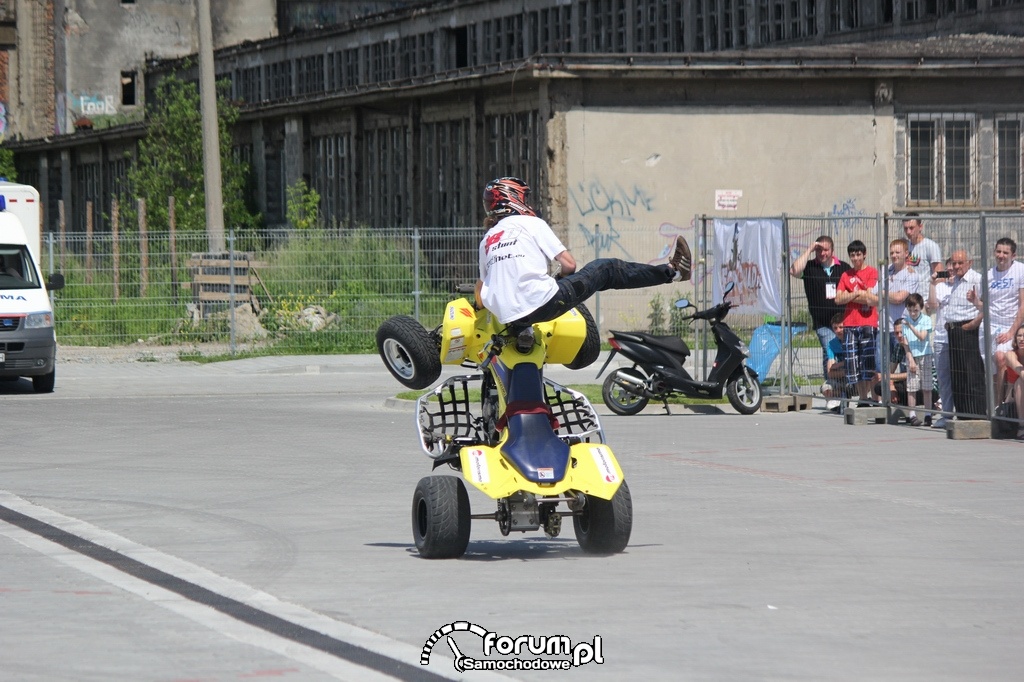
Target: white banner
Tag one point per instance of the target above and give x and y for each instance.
(749, 254)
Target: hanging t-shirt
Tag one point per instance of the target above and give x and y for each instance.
(515, 256)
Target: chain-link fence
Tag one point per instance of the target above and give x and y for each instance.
(329, 290)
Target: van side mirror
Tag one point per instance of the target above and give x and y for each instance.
(55, 282)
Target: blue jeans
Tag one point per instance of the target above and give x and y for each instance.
(825, 336)
(597, 275)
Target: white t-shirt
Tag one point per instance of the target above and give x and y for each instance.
(922, 255)
(942, 294)
(908, 280)
(1004, 292)
(515, 256)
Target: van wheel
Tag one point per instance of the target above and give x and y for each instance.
(44, 382)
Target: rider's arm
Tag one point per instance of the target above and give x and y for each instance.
(476, 294)
(567, 262)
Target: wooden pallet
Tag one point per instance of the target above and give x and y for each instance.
(212, 276)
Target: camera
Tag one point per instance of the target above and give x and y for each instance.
(942, 274)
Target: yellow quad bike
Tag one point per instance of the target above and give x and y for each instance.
(534, 446)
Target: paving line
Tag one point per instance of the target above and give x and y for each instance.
(227, 606)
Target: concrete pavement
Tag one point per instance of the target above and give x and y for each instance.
(251, 518)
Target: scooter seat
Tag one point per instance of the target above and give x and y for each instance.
(673, 344)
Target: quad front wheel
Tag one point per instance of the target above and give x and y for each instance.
(409, 352)
(441, 517)
(619, 398)
(603, 526)
(744, 392)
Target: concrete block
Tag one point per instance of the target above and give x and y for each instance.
(1003, 428)
(777, 403)
(802, 402)
(969, 429)
(857, 416)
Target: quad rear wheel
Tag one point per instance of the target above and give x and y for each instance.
(440, 517)
(409, 351)
(591, 348)
(604, 526)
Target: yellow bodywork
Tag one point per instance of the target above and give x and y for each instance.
(592, 469)
(465, 333)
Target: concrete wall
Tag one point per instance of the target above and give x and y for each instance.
(636, 179)
(107, 38)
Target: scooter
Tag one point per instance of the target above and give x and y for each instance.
(531, 444)
(658, 371)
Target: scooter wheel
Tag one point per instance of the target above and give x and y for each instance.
(744, 392)
(604, 526)
(620, 399)
(441, 517)
(409, 352)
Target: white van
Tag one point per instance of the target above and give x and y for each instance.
(28, 345)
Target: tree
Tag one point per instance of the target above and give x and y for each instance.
(7, 169)
(170, 162)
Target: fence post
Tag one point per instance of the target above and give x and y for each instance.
(143, 248)
(597, 254)
(986, 325)
(171, 218)
(88, 242)
(416, 272)
(62, 226)
(115, 246)
(49, 250)
(788, 381)
(231, 288)
(883, 343)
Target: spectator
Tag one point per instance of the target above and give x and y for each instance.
(917, 330)
(835, 369)
(939, 292)
(967, 373)
(903, 280)
(858, 291)
(1015, 376)
(821, 277)
(925, 255)
(1006, 306)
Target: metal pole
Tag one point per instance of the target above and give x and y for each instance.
(231, 289)
(416, 271)
(787, 321)
(211, 132)
(986, 325)
(49, 250)
(882, 231)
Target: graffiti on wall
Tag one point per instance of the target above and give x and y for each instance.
(847, 222)
(96, 105)
(602, 208)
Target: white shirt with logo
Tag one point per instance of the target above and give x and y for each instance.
(1004, 293)
(908, 280)
(515, 256)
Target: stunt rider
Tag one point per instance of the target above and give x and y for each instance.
(516, 251)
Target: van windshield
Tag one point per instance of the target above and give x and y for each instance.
(16, 271)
